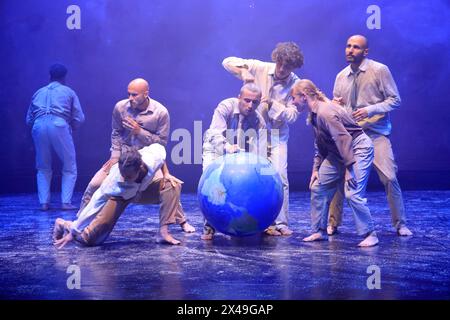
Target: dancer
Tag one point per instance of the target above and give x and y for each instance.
(343, 151)
(236, 126)
(275, 80)
(368, 91)
(137, 122)
(54, 112)
(131, 180)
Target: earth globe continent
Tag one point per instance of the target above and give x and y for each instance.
(240, 194)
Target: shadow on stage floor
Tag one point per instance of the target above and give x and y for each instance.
(131, 265)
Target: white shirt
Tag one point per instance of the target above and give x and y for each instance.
(282, 112)
(220, 131)
(114, 186)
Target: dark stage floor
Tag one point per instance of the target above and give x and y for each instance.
(130, 265)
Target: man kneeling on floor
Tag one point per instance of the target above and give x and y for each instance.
(136, 178)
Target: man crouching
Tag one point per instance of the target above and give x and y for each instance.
(136, 178)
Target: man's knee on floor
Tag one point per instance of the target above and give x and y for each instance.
(92, 239)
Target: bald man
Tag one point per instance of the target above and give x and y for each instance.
(368, 91)
(138, 122)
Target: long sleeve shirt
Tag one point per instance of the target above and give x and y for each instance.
(282, 112)
(226, 120)
(334, 130)
(56, 99)
(154, 122)
(375, 90)
(114, 185)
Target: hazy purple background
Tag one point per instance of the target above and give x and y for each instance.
(178, 46)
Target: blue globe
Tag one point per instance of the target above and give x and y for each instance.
(240, 194)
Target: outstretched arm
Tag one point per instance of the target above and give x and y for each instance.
(243, 69)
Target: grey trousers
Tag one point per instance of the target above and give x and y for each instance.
(52, 132)
(331, 173)
(384, 163)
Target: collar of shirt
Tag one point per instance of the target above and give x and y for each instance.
(251, 119)
(150, 107)
(362, 67)
(54, 84)
(236, 107)
(271, 73)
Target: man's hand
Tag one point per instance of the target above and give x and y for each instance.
(360, 114)
(246, 76)
(338, 100)
(314, 177)
(108, 164)
(132, 125)
(232, 148)
(63, 241)
(173, 180)
(350, 177)
(268, 101)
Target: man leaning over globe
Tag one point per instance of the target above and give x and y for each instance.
(236, 126)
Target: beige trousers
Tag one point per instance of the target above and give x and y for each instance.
(157, 193)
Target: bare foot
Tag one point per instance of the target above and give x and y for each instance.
(207, 236)
(166, 236)
(318, 236)
(272, 232)
(285, 231)
(187, 227)
(404, 231)
(332, 230)
(370, 241)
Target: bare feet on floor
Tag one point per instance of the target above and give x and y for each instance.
(332, 230)
(207, 236)
(166, 236)
(186, 227)
(285, 231)
(404, 231)
(318, 236)
(370, 241)
(271, 231)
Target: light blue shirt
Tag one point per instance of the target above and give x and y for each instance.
(56, 99)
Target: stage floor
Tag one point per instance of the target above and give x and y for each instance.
(131, 265)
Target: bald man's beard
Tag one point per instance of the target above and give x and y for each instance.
(141, 105)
